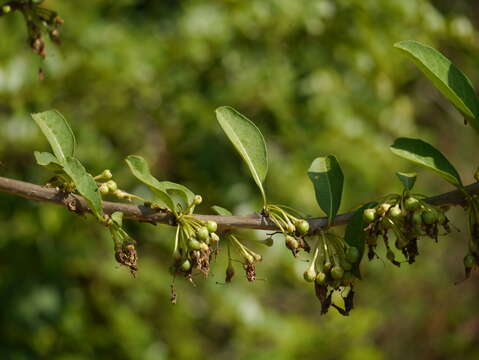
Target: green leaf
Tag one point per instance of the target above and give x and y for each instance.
(407, 179)
(354, 234)
(448, 79)
(48, 160)
(421, 153)
(85, 185)
(221, 211)
(248, 141)
(327, 178)
(140, 169)
(182, 191)
(58, 133)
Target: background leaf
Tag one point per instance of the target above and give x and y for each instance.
(58, 133)
(407, 179)
(354, 235)
(424, 154)
(221, 211)
(448, 79)
(248, 141)
(327, 178)
(85, 185)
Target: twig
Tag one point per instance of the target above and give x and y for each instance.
(145, 214)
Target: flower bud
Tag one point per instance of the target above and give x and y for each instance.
(291, 242)
(369, 215)
(395, 212)
(310, 274)
(186, 265)
(214, 238)
(212, 226)
(302, 226)
(429, 217)
(104, 190)
(197, 200)
(194, 244)
(320, 278)
(411, 204)
(337, 272)
(202, 233)
(383, 208)
(112, 185)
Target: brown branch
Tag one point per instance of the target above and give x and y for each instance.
(145, 214)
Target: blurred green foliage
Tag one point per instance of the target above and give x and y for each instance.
(144, 77)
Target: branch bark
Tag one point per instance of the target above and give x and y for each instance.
(142, 213)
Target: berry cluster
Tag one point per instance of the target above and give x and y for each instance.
(331, 270)
(408, 218)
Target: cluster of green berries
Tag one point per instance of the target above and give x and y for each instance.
(110, 187)
(408, 218)
(331, 269)
(39, 21)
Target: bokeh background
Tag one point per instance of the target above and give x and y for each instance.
(144, 77)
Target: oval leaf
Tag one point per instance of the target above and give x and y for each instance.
(407, 179)
(354, 235)
(248, 141)
(327, 178)
(85, 185)
(58, 133)
(448, 79)
(221, 211)
(140, 169)
(421, 153)
(48, 160)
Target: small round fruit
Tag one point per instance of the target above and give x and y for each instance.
(310, 274)
(429, 217)
(194, 244)
(202, 233)
(352, 254)
(417, 217)
(369, 215)
(212, 226)
(411, 204)
(395, 212)
(197, 200)
(104, 190)
(320, 278)
(337, 272)
(302, 226)
(186, 265)
(383, 208)
(469, 261)
(291, 242)
(112, 185)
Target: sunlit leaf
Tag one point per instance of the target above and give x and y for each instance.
(448, 79)
(421, 153)
(248, 141)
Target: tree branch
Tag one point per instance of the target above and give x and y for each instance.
(143, 213)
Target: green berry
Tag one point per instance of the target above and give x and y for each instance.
(186, 265)
(429, 217)
(104, 190)
(469, 261)
(337, 272)
(411, 204)
(395, 212)
(417, 217)
(212, 226)
(194, 244)
(302, 226)
(383, 208)
(197, 200)
(352, 254)
(369, 215)
(291, 242)
(320, 278)
(310, 274)
(112, 185)
(202, 233)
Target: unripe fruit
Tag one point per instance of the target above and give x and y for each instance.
(320, 278)
(429, 217)
(383, 208)
(411, 204)
(417, 217)
(337, 272)
(469, 261)
(186, 265)
(395, 212)
(212, 226)
(104, 190)
(352, 254)
(369, 215)
(291, 242)
(202, 233)
(197, 200)
(302, 226)
(310, 274)
(112, 185)
(214, 238)
(194, 244)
